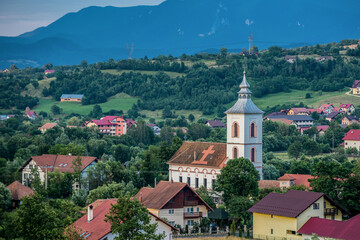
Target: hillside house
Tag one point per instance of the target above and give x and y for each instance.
(321, 129)
(94, 227)
(356, 87)
(290, 59)
(347, 108)
(49, 163)
(215, 124)
(280, 216)
(298, 111)
(5, 70)
(47, 126)
(32, 115)
(46, 72)
(352, 139)
(331, 229)
(347, 120)
(18, 192)
(327, 108)
(71, 97)
(155, 128)
(323, 58)
(332, 116)
(300, 121)
(111, 125)
(289, 180)
(319, 111)
(129, 123)
(177, 202)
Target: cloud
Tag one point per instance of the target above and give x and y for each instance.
(248, 22)
(201, 35)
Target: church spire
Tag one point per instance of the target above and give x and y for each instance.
(244, 88)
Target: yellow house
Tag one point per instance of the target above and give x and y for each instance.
(356, 87)
(280, 216)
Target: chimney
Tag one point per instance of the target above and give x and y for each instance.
(90, 213)
(195, 156)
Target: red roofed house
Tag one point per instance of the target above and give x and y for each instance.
(177, 202)
(31, 115)
(327, 108)
(356, 87)
(49, 71)
(281, 215)
(111, 125)
(347, 108)
(347, 120)
(298, 111)
(49, 163)
(321, 129)
(215, 124)
(352, 139)
(326, 229)
(289, 180)
(92, 225)
(18, 191)
(47, 126)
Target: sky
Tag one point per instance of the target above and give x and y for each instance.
(20, 16)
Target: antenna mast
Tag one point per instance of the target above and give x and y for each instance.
(250, 43)
(130, 49)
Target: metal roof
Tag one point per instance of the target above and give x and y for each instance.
(72, 96)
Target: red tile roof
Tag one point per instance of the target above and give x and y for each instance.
(61, 162)
(205, 154)
(268, 184)
(311, 110)
(299, 179)
(98, 228)
(290, 204)
(30, 113)
(347, 105)
(283, 120)
(356, 84)
(325, 106)
(299, 110)
(348, 230)
(352, 134)
(164, 191)
(18, 191)
(47, 126)
(322, 128)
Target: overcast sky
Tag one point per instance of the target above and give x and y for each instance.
(19, 16)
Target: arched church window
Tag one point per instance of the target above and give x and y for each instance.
(235, 153)
(253, 155)
(253, 130)
(235, 130)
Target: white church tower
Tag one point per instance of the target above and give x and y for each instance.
(244, 128)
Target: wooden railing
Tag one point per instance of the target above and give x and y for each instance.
(192, 214)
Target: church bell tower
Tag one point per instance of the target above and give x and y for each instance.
(244, 128)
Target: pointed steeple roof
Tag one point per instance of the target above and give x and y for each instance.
(244, 103)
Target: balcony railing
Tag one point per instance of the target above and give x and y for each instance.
(191, 203)
(192, 214)
(330, 211)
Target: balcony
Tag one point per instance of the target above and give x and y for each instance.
(330, 211)
(191, 203)
(192, 214)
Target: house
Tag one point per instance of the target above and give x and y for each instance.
(352, 139)
(327, 108)
(319, 111)
(111, 125)
(177, 202)
(288, 180)
(155, 128)
(18, 192)
(199, 163)
(331, 229)
(31, 115)
(5, 70)
(300, 121)
(48, 71)
(71, 97)
(47, 126)
(321, 129)
(356, 87)
(129, 123)
(347, 108)
(215, 124)
(93, 226)
(298, 111)
(49, 163)
(281, 215)
(290, 59)
(332, 116)
(323, 58)
(268, 184)
(347, 120)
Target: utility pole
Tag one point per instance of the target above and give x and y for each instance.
(46, 175)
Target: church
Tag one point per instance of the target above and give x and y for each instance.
(199, 163)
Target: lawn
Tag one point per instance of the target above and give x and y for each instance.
(116, 72)
(118, 102)
(37, 92)
(283, 156)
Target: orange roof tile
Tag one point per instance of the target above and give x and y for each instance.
(268, 184)
(18, 191)
(299, 179)
(47, 126)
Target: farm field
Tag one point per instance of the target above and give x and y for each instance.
(118, 102)
(116, 72)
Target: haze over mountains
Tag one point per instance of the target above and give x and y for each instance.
(182, 26)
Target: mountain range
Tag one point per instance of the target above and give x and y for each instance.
(182, 26)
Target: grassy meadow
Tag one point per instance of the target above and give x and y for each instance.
(37, 92)
(119, 72)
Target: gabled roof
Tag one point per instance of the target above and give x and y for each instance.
(110, 118)
(31, 113)
(299, 110)
(216, 123)
(352, 134)
(100, 122)
(322, 128)
(72, 96)
(61, 162)
(350, 118)
(311, 110)
(18, 191)
(290, 204)
(205, 154)
(356, 84)
(268, 184)
(299, 179)
(47, 126)
(347, 105)
(98, 228)
(164, 191)
(325, 106)
(333, 115)
(348, 230)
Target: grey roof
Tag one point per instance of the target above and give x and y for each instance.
(244, 103)
(72, 96)
(292, 117)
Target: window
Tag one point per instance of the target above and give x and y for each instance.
(171, 211)
(316, 205)
(180, 179)
(253, 155)
(26, 175)
(196, 182)
(235, 153)
(272, 231)
(235, 130)
(205, 182)
(190, 222)
(213, 183)
(253, 130)
(324, 204)
(172, 223)
(190, 210)
(272, 216)
(197, 209)
(290, 232)
(188, 181)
